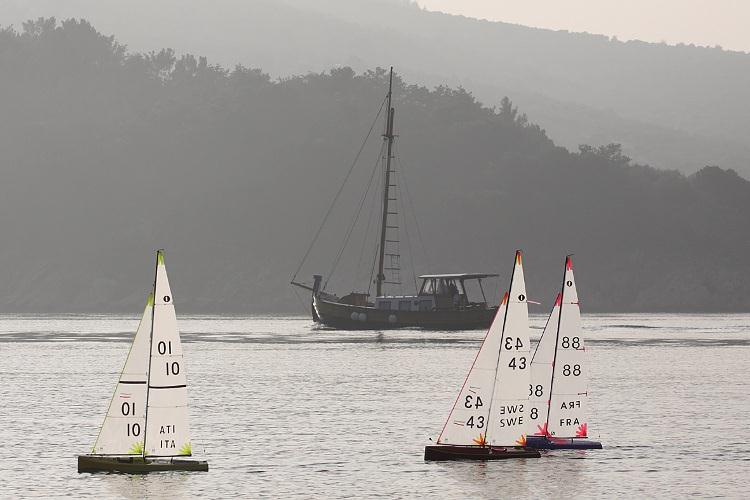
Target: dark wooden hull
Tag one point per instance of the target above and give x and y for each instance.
(449, 452)
(137, 465)
(349, 317)
(553, 443)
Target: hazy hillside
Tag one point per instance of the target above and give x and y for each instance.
(677, 107)
(107, 156)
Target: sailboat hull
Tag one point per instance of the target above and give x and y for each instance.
(553, 443)
(349, 317)
(137, 465)
(449, 452)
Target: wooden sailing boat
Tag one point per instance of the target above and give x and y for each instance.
(146, 426)
(442, 301)
(558, 393)
(488, 419)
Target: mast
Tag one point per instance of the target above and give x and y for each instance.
(387, 136)
(150, 347)
(502, 335)
(557, 339)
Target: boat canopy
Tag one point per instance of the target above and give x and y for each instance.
(459, 276)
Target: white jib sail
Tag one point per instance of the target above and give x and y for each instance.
(509, 409)
(469, 420)
(568, 404)
(123, 429)
(541, 374)
(167, 432)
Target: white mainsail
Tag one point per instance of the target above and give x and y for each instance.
(124, 425)
(167, 432)
(569, 380)
(541, 373)
(567, 413)
(490, 407)
(511, 398)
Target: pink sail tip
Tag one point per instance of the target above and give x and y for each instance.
(568, 263)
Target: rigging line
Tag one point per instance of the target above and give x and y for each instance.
(408, 241)
(301, 301)
(353, 224)
(338, 193)
(364, 239)
(411, 204)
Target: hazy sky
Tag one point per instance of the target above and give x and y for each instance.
(703, 22)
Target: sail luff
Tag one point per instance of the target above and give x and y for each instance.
(557, 339)
(506, 300)
(150, 347)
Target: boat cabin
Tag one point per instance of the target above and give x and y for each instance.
(437, 292)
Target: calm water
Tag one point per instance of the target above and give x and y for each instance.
(281, 409)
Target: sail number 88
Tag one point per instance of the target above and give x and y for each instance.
(567, 342)
(575, 370)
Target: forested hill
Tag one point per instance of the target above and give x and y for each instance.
(674, 107)
(106, 156)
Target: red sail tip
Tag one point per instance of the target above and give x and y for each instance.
(505, 299)
(558, 300)
(568, 263)
(518, 257)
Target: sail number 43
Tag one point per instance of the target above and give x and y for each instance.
(519, 363)
(470, 402)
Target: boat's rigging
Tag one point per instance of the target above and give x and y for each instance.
(150, 347)
(410, 199)
(352, 225)
(388, 139)
(364, 243)
(387, 266)
(338, 193)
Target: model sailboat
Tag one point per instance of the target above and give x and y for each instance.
(558, 394)
(488, 420)
(146, 426)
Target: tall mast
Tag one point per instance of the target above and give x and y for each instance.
(502, 338)
(557, 339)
(387, 136)
(150, 347)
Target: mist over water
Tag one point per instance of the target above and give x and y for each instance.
(281, 408)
